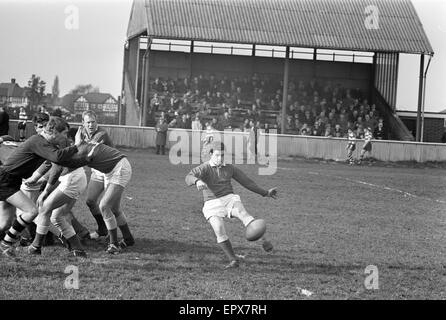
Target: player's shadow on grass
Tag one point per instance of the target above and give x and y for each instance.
(165, 246)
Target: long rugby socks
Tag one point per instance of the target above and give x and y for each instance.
(228, 250)
(113, 236)
(13, 234)
(75, 243)
(102, 228)
(125, 230)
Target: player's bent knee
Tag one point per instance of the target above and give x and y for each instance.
(6, 223)
(239, 211)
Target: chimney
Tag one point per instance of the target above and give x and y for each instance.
(12, 80)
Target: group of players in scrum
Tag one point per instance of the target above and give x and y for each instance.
(57, 154)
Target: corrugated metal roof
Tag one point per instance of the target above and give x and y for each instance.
(330, 24)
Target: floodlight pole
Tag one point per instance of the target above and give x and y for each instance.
(285, 88)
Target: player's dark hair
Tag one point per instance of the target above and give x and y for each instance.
(217, 145)
(72, 133)
(56, 124)
(40, 117)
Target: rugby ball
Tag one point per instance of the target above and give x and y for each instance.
(255, 229)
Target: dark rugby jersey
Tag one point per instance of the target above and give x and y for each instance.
(218, 180)
(104, 158)
(32, 153)
(100, 136)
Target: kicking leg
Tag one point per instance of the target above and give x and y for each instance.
(239, 211)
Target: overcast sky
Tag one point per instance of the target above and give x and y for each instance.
(35, 40)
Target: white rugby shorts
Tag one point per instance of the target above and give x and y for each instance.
(224, 207)
(73, 184)
(97, 176)
(120, 175)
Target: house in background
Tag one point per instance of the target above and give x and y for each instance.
(103, 104)
(12, 95)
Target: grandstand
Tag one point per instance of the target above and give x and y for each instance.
(180, 49)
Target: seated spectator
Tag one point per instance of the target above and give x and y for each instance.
(245, 125)
(155, 103)
(308, 118)
(338, 132)
(226, 121)
(290, 125)
(216, 125)
(380, 132)
(328, 132)
(318, 129)
(196, 123)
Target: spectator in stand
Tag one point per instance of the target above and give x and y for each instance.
(318, 129)
(161, 135)
(290, 125)
(23, 118)
(245, 125)
(182, 122)
(196, 123)
(380, 132)
(358, 122)
(216, 125)
(328, 132)
(226, 121)
(338, 132)
(308, 118)
(369, 123)
(155, 103)
(4, 122)
(157, 86)
(304, 129)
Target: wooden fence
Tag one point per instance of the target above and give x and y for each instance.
(287, 145)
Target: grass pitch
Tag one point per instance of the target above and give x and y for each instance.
(330, 222)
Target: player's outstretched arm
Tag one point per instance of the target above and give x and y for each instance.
(239, 176)
(272, 193)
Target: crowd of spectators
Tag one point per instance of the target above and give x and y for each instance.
(247, 103)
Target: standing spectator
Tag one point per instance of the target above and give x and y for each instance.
(23, 117)
(4, 122)
(161, 135)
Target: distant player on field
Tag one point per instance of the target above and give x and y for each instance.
(214, 178)
(367, 147)
(351, 146)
